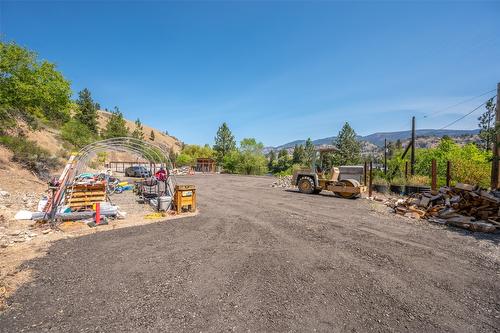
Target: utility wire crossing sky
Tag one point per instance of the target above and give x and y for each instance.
(276, 71)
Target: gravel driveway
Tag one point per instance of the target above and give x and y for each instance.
(258, 258)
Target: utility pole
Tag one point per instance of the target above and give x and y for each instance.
(412, 156)
(495, 172)
(385, 156)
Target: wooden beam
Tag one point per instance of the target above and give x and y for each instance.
(412, 156)
(434, 175)
(448, 173)
(371, 178)
(495, 172)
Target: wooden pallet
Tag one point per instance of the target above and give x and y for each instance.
(85, 195)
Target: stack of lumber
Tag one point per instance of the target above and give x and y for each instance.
(464, 206)
(80, 196)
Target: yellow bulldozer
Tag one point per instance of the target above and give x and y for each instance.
(315, 179)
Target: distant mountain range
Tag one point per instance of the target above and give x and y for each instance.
(378, 138)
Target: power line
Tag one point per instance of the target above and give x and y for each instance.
(457, 104)
(468, 113)
(451, 106)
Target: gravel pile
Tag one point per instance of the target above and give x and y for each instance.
(283, 181)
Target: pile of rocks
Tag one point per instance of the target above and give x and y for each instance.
(16, 201)
(12, 231)
(282, 181)
(10, 237)
(464, 206)
(182, 171)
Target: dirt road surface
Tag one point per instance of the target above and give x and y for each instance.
(258, 259)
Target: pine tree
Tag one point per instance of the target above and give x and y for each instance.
(224, 143)
(116, 125)
(349, 149)
(487, 125)
(298, 154)
(272, 159)
(86, 110)
(152, 136)
(138, 132)
(309, 151)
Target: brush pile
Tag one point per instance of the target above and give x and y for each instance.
(464, 206)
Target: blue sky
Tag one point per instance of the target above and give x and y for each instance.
(277, 71)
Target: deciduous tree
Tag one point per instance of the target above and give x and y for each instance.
(30, 88)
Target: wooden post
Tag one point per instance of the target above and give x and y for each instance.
(495, 172)
(385, 156)
(371, 177)
(448, 173)
(406, 169)
(365, 173)
(412, 155)
(434, 175)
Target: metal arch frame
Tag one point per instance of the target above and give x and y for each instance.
(153, 152)
(126, 144)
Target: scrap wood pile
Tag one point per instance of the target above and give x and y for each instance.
(464, 206)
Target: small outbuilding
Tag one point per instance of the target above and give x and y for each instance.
(205, 165)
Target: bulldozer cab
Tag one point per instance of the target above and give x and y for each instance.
(317, 164)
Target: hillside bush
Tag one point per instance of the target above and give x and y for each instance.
(78, 134)
(29, 154)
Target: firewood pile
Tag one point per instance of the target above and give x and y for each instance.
(464, 206)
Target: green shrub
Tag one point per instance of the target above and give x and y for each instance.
(185, 160)
(469, 163)
(77, 134)
(29, 154)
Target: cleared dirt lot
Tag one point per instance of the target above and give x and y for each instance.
(264, 259)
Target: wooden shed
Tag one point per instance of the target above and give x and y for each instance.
(205, 165)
